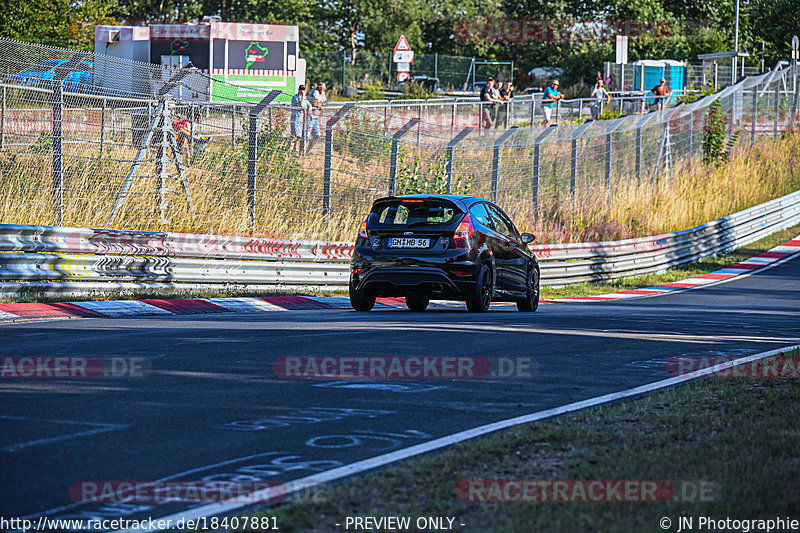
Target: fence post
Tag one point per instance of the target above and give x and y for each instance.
(639, 126)
(3, 121)
(58, 155)
(754, 119)
(252, 155)
(344, 71)
(395, 148)
(777, 108)
(691, 134)
(716, 74)
(533, 110)
(558, 110)
(573, 174)
(103, 128)
(419, 125)
(453, 118)
(537, 168)
(448, 166)
(609, 145)
(496, 159)
(328, 170)
(233, 125)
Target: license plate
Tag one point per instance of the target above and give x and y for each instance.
(408, 243)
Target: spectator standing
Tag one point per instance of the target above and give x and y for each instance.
(600, 95)
(486, 108)
(317, 100)
(662, 93)
(551, 95)
(300, 107)
(506, 95)
(364, 81)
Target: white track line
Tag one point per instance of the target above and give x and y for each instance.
(358, 467)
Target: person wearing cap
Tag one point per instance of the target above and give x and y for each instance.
(662, 92)
(551, 94)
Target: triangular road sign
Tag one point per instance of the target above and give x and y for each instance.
(402, 45)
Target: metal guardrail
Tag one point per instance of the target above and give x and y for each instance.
(88, 257)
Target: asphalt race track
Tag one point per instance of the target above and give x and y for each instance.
(212, 407)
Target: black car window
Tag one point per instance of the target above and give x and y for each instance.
(501, 223)
(478, 212)
(413, 213)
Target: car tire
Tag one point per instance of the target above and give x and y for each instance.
(417, 303)
(361, 300)
(480, 298)
(531, 301)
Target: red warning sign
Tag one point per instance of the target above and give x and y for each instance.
(402, 45)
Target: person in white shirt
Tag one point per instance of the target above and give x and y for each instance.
(600, 94)
(317, 100)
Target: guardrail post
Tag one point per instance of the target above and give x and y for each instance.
(609, 146)
(252, 155)
(3, 121)
(496, 159)
(395, 148)
(328, 170)
(537, 168)
(777, 108)
(448, 166)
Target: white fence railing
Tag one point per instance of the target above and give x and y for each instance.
(61, 260)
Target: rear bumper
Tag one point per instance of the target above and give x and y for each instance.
(406, 281)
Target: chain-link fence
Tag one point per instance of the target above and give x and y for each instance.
(71, 155)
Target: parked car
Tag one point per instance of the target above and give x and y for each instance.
(445, 247)
(45, 72)
(428, 83)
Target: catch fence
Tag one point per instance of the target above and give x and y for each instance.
(79, 156)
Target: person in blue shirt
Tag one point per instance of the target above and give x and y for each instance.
(551, 94)
(300, 107)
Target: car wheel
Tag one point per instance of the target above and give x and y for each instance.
(417, 303)
(361, 300)
(480, 297)
(531, 301)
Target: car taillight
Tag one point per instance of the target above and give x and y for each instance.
(362, 230)
(464, 231)
(358, 270)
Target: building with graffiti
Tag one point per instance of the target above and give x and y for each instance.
(249, 59)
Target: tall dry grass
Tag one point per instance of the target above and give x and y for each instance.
(289, 204)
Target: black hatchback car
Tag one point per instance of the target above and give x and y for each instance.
(425, 247)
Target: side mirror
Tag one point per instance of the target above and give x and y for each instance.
(528, 238)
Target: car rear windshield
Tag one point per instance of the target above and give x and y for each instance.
(413, 213)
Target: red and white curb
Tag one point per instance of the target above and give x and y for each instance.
(187, 306)
(768, 258)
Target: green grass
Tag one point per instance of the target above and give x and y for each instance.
(737, 437)
(704, 266)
